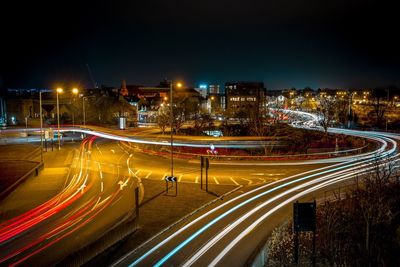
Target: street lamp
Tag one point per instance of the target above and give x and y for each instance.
(75, 91)
(179, 85)
(41, 126)
(83, 110)
(59, 90)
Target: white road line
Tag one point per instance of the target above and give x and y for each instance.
(148, 175)
(180, 177)
(233, 180)
(250, 181)
(136, 173)
(216, 181)
(102, 186)
(196, 180)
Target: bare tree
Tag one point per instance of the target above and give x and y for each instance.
(163, 118)
(326, 112)
(259, 126)
(378, 97)
(202, 119)
(179, 118)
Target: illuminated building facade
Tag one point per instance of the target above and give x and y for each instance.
(248, 97)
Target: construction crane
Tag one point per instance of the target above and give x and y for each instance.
(91, 77)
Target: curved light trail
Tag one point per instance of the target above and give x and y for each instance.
(88, 194)
(305, 182)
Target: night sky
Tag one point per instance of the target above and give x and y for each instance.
(284, 43)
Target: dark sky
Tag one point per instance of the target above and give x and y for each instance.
(285, 43)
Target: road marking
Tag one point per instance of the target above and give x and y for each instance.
(147, 176)
(102, 186)
(123, 184)
(180, 178)
(250, 181)
(233, 180)
(261, 179)
(136, 173)
(98, 149)
(216, 181)
(163, 178)
(197, 179)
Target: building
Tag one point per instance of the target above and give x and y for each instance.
(203, 90)
(247, 97)
(213, 89)
(148, 100)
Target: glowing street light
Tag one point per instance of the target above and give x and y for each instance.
(75, 91)
(178, 85)
(59, 91)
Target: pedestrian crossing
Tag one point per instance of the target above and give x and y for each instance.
(191, 177)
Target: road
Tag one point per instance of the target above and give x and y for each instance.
(226, 235)
(98, 194)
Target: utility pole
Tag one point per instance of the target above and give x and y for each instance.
(201, 171)
(171, 127)
(207, 167)
(41, 126)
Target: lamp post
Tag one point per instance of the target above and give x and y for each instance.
(179, 85)
(75, 91)
(349, 109)
(83, 110)
(41, 126)
(59, 90)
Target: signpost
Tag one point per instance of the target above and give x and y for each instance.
(304, 220)
(204, 162)
(201, 171)
(173, 180)
(207, 167)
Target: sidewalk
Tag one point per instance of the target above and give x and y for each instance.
(38, 189)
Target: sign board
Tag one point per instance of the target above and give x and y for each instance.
(304, 216)
(170, 178)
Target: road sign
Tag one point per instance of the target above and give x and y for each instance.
(304, 216)
(170, 178)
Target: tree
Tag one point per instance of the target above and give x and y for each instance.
(259, 126)
(179, 118)
(202, 119)
(163, 118)
(379, 95)
(326, 112)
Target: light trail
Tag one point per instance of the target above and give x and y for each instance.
(14, 252)
(327, 169)
(354, 165)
